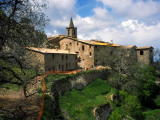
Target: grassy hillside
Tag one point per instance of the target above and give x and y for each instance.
(78, 105)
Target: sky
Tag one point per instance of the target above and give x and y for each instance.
(125, 22)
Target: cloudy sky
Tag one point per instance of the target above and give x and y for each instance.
(126, 22)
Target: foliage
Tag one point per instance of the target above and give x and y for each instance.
(157, 101)
(131, 105)
(50, 79)
(47, 115)
(15, 74)
(21, 25)
(152, 114)
(117, 114)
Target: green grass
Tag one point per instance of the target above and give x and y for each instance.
(79, 104)
(152, 114)
(12, 87)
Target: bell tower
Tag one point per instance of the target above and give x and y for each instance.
(71, 30)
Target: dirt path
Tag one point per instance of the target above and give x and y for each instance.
(44, 88)
(13, 103)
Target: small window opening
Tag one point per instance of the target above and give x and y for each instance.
(141, 52)
(83, 47)
(111, 52)
(66, 57)
(62, 67)
(73, 32)
(90, 54)
(66, 66)
(62, 57)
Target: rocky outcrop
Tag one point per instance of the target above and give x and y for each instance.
(102, 112)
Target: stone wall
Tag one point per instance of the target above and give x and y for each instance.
(35, 60)
(145, 56)
(60, 62)
(106, 55)
(84, 51)
(78, 81)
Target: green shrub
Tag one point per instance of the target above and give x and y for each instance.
(152, 114)
(157, 101)
(117, 114)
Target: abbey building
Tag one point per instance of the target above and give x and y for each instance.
(67, 52)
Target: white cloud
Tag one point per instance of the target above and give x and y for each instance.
(132, 8)
(99, 20)
(103, 25)
(130, 32)
(59, 12)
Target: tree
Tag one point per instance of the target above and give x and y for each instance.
(21, 25)
(120, 60)
(157, 58)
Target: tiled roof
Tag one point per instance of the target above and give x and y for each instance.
(91, 42)
(46, 50)
(128, 46)
(145, 47)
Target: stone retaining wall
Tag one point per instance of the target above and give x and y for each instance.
(77, 81)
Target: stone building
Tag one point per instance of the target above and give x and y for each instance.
(88, 51)
(86, 54)
(52, 59)
(145, 55)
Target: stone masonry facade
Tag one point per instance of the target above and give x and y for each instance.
(84, 54)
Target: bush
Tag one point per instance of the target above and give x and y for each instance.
(157, 101)
(152, 114)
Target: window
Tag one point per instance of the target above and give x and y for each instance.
(52, 56)
(66, 66)
(73, 32)
(90, 54)
(83, 47)
(141, 52)
(77, 43)
(70, 44)
(66, 57)
(90, 46)
(62, 57)
(62, 67)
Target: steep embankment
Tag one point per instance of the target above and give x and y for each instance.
(59, 84)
